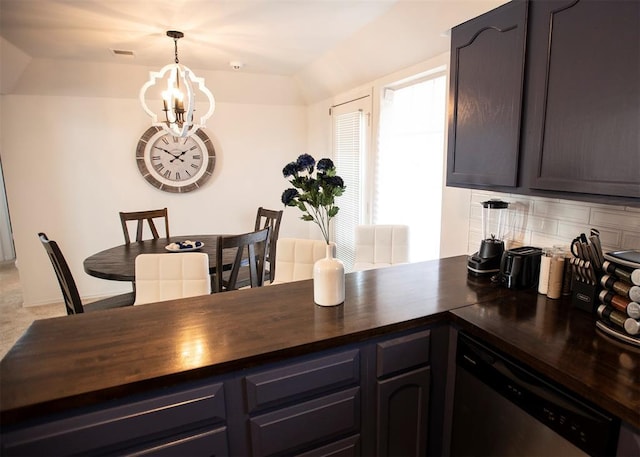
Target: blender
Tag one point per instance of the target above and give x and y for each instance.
(494, 222)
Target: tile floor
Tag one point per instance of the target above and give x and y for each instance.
(14, 318)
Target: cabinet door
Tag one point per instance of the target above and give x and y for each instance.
(485, 97)
(403, 405)
(584, 96)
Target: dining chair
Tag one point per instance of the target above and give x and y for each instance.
(70, 294)
(296, 257)
(140, 217)
(251, 246)
(380, 246)
(161, 277)
(269, 218)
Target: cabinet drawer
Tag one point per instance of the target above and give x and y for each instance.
(347, 447)
(140, 420)
(305, 423)
(302, 379)
(402, 353)
(205, 444)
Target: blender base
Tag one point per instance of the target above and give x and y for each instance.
(479, 266)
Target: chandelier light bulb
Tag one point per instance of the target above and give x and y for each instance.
(178, 99)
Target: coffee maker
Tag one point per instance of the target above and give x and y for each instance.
(494, 223)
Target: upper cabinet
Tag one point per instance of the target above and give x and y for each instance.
(485, 90)
(574, 131)
(583, 104)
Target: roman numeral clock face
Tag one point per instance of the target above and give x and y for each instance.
(174, 164)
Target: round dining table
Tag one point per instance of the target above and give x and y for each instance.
(118, 263)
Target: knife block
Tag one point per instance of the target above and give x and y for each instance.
(584, 296)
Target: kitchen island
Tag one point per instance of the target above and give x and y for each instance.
(64, 368)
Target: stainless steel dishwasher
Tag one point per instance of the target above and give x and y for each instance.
(502, 408)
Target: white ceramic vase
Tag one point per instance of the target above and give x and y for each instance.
(328, 279)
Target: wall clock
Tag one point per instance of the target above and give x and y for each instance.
(175, 164)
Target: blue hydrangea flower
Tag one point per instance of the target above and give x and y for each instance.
(291, 169)
(306, 162)
(288, 197)
(335, 181)
(325, 164)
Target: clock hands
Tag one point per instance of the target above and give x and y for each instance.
(179, 156)
(172, 154)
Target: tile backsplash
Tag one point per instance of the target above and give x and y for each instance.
(547, 222)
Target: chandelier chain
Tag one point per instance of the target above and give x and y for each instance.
(175, 43)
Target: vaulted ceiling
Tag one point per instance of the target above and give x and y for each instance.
(280, 37)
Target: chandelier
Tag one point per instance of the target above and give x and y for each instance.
(178, 96)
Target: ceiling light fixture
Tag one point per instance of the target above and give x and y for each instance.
(178, 100)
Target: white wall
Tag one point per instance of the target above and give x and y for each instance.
(69, 165)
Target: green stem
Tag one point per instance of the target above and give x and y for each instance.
(319, 217)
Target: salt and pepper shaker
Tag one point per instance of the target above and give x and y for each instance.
(543, 279)
(556, 274)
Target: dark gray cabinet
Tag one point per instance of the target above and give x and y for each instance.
(573, 132)
(367, 398)
(185, 421)
(305, 406)
(485, 93)
(402, 395)
(583, 105)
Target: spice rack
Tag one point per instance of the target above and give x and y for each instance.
(619, 300)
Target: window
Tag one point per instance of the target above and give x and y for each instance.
(409, 162)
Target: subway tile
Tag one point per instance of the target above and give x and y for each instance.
(616, 219)
(544, 222)
(609, 237)
(630, 240)
(545, 241)
(543, 225)
(564, 211)
(571, 230)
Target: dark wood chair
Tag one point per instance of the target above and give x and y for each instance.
(140, 217)
(250, 249)
(72, 300)
(269, 218)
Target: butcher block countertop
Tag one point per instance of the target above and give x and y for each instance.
(81, 360)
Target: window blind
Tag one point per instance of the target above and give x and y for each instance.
(348, 149)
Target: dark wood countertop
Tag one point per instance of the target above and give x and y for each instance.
(562, 343)
(87, 358)
(80, 360)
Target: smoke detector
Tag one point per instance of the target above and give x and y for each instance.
(236, 65)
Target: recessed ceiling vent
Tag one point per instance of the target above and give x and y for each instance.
(122, 52)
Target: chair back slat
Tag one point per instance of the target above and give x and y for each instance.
(72, 301)
(140, 217)
(269, 218)
(254, 246)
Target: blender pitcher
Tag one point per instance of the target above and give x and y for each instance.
(494, 225)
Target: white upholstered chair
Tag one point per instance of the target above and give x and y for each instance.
(381, 246)
(295, 258)
(168, 276)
